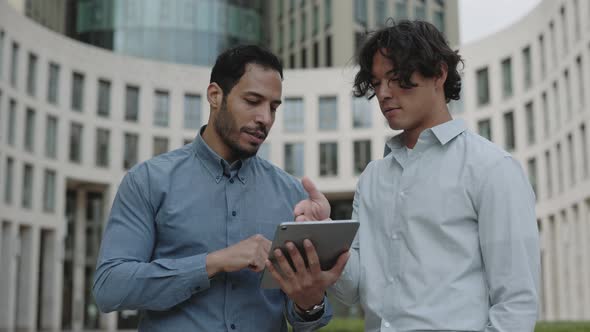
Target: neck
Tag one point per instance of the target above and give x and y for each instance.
(439, 116)
(214, 141)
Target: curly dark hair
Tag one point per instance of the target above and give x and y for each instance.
(231, 65)
(411, 46)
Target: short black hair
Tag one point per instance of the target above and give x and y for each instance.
(412, 46)
(231, 65)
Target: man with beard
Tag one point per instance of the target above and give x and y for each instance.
(188, 231)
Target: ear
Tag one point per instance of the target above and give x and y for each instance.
(439, 81)
(214, 95)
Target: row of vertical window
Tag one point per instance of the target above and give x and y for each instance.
(482, 74)
(401, 10)
(26, 199)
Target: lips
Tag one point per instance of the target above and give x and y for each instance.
(391, 110)
(258, 136)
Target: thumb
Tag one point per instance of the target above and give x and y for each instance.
(337, 269)
(311, 189)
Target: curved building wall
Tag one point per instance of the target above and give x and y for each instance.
(74, 117)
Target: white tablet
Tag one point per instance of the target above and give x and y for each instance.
(330, 239)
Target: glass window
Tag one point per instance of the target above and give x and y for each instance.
(77, 92)
(362, 155)
(131, 103)
(161, 108)
(401, 9)
(380, 12)
(304, 58)
(568, 93)
(585, 151)
(572, 159)
(360, 12)
(32, 75)
(483, 88)
(316, 20)
(361, 113)
(328, 51)
(542, 55)
(532, 171)
(192, 111)
(559, 167)
(51, 137)
(1, 53)
(507, 78)
(160, 145)
(527, 67)
(27, 194)
(581, 82)
(281, 37)
(549, 175)
(104, 98)
(328, 113)
(530, 123)
(303, 25)
(294, 159)
(316, 55)
(420, 10)
(53, 84)
(291, 32)
(14, 65)
(509, 138)
(557, 106)
(328, 12)
(11, 137)
(75, 142)
(439, 20)
(484, 128)
(546, 119)
(329, 159)
(293, 115)
(49, 191)
(30, 130)
(130, 150)
(8, 177)
(102, 147)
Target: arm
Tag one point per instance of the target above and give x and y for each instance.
(346, 289)
(300, 324)
(125, 277)
(509, 243)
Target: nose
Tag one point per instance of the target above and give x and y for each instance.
(383, 92)
(265, 116)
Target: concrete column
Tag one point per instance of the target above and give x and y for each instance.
(546, 289)
(26, 298)
(48, 293)
(585, 218)
(562, 305)
(573, 268)
(8, 276)
(79, 261)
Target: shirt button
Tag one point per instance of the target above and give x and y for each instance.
(233, 326)
(402, 194)
(231, 181)
(234, 213)
(390, 278)
(394, 236)
(386, 324)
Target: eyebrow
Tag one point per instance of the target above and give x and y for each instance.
(258, 95)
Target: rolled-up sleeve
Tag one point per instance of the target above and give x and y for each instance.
(125, 277)
(509, 240)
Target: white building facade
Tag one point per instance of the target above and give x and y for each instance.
(74, 118)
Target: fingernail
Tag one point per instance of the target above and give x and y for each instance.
(278, 253)
(307, 243)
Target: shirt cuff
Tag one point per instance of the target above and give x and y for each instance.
(296, 320)
(194, 277)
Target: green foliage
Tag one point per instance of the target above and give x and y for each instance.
(356, 325)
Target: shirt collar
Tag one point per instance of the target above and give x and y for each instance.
(217, 166)
(443, 132)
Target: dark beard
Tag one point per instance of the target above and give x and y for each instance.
(224, 126)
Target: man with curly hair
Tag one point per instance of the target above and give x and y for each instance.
(448, 238)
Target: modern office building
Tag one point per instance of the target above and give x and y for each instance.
(74, 118)
(326, 33)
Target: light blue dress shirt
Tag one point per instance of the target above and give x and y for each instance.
(168, 214)
(448, 239)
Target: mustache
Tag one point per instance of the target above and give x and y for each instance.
(260, 129)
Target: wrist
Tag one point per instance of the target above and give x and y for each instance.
(214, 263)
(311, 313)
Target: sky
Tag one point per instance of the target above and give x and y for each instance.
(479, 18)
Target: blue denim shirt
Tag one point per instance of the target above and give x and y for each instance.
(173, 210)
